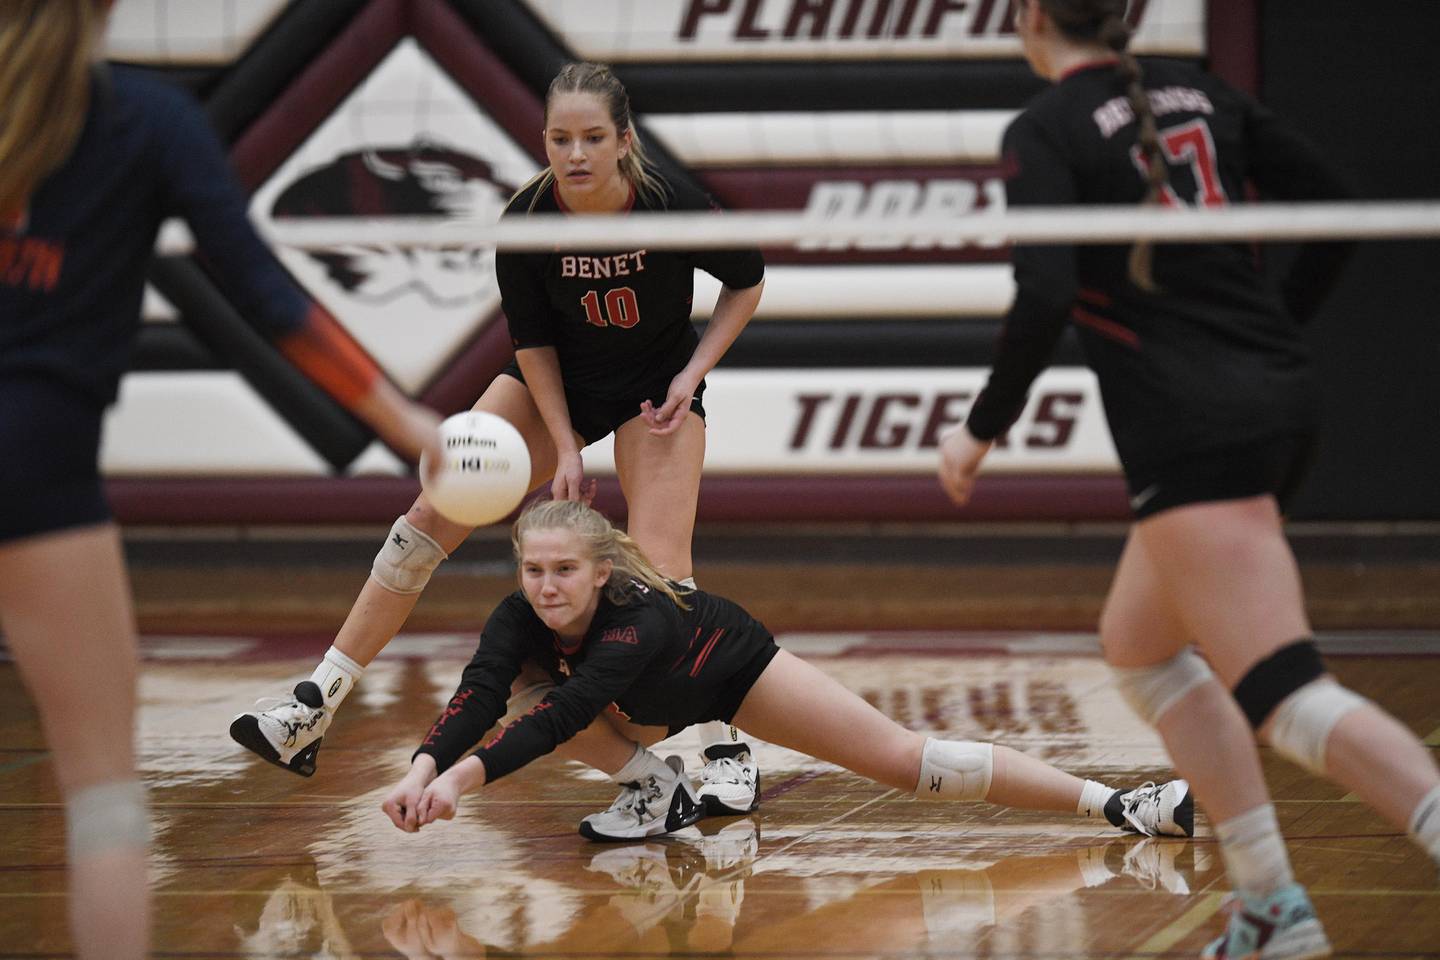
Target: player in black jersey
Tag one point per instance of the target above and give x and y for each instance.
(628, 650)
(603, 345)
(1206, 391)
(91, 162)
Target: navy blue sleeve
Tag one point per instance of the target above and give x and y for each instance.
(200, 186)
(1045, 282)
(610, 668)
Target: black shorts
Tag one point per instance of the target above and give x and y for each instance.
(737, 688)
(1273, 466)
(49, 457)
(596, 416)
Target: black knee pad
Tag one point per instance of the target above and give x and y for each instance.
(1273, 679)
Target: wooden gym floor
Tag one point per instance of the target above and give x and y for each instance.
(986, 636)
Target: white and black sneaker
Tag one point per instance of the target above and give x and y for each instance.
(1166, 810)
(729, 781)
(645, 808)
(1157, 864)
(286, 732)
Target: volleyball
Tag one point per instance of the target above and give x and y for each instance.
(485, 470)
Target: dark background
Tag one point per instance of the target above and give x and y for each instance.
(1361, 80)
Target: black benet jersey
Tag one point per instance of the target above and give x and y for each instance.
(618, 319)
(72, 269)
(658, 664)
(1213, 355)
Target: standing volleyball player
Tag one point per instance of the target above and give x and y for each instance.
(633, 655)
(603, 345)
(1206, 391)
(90, 163)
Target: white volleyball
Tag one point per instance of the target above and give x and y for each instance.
(485, 471)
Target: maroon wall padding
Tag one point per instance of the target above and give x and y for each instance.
(473, 65)
(317, 92)
(728, 499)
(467, 376)
(356, 52)
(1233, 42)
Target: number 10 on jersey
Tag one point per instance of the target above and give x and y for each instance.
(621, 309)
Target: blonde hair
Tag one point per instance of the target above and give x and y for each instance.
(601, 541)
(635, 166)
(1103, 22)
(47, 48)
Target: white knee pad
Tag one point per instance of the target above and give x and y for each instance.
(523, 701)
(1304, 719)
(955, 770)
(1153, 690)
(407, 559)
(110, 816)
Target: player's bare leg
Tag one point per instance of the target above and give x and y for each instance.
(660, 477)
(66, 611)
(1258, 641)
(799, 706)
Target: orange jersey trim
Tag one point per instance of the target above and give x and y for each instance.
(327, 355)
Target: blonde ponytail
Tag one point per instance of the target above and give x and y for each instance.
(601, 541)
(47, 48)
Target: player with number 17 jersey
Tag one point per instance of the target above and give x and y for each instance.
(1211, 355)
(619, 319)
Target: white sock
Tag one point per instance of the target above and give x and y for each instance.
(1425, 823)
(1254, 852)
(641, 764)
(718, 733)
(1093, 797)
(336, 676)
(1094, 871)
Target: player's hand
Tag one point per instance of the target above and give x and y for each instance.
(960, 458)
(439, 800)
(666, 418)
(401, 803)
(569, 482)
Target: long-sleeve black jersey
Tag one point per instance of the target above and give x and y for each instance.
(1213, 355)
(659, 664)
(617, 319)
(72, 271)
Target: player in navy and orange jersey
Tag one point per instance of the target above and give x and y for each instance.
(627, 651)
(91, 162)
(1207, 392)
(603, 345)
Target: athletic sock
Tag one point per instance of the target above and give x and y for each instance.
(336, 676)
(640, 765)
(1093, 798)
(1254, 852)
(719, 739)
(1425, 823)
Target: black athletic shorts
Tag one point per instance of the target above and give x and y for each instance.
(1273, 466)
(737, 688)
(595, 417)
(49, 457)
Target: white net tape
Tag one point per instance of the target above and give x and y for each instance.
(1104, 224)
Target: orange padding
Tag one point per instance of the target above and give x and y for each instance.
(328, 356)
